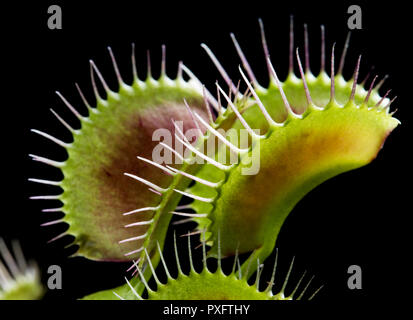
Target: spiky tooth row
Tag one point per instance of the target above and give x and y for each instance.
(306, 73)
(194, 285)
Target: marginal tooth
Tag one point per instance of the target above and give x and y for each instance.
(332, 76)
(163, 261)
(199, 83)
(221, 109)
(133, 252)
(305, 288)
(191, 264)
(155, 164)
(140, 223)
(264, 111)
(191, 114)
(133, 59)
(221, 70)
(102, 80)
(57, 237)
(244, 60)
(69, 106)
(141, 210)
(190, 195)
(220, 136)
(366, 100)
(52, 197)
(207, 107)
(66, 125)
(274, 269)
(355, 77)
(133, 265)
(154, 191)
(200, 154)
(343, 54)
(48, 182)
(382, 99)
(82, 96)
(53, 210)
(298, 284)
(133, 290)
(380, 84)
(200, 180)
(148, 62)
(182, 221)
(120, 298)
(56, 164)
(284, 98)
(134, 238)
(178, 264)
(115, 66)
(163, 62)
(291, 49)
(185, 206)
(306, 50)
(152, 268)
(51, 138)
(142, 277)
(313, 295)
(288, 276)
(323, 50)
(94, 86)
(194, 215)
(50, 223)
(264, 44)
(148, 183)
(307, 91)
(179, 72)
(387, 107)
(239, 116)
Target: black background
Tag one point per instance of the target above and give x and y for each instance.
(356, 218)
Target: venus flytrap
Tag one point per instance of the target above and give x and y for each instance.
(300, 133)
